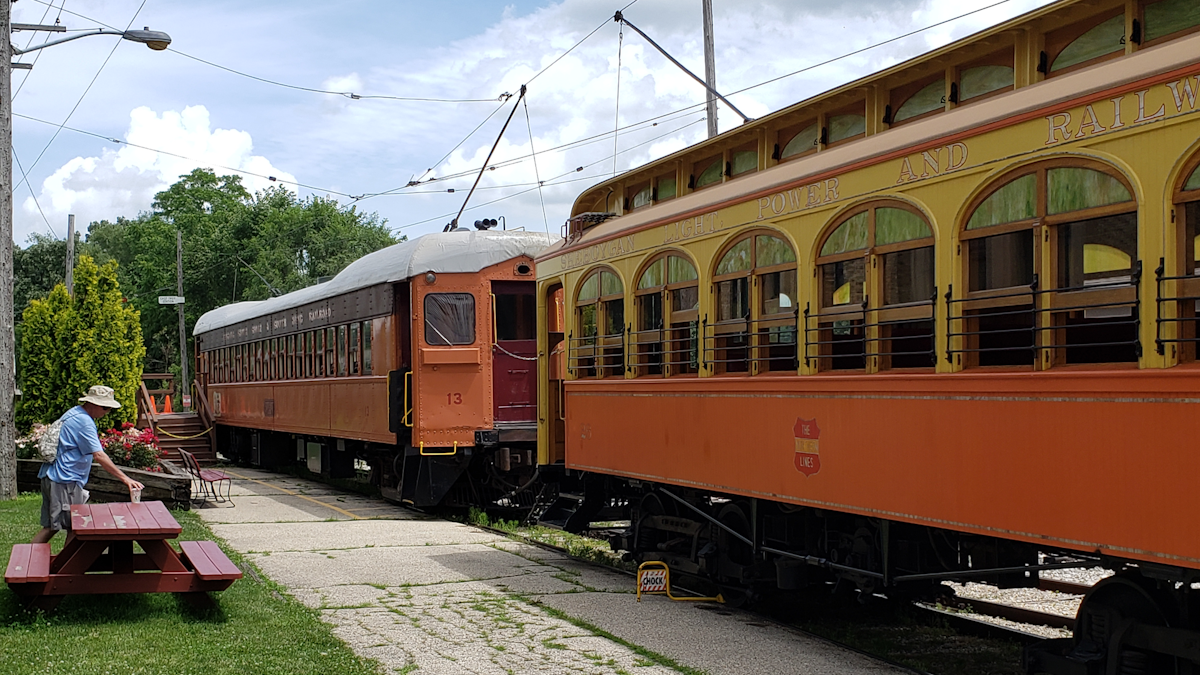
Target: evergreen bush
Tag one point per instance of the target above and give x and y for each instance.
(70, 344)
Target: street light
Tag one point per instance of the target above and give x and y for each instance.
(155, 40)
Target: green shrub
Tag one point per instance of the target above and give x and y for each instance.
(70, 344)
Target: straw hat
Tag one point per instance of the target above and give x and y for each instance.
(101, 396)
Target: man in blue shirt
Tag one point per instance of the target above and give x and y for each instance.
(78, 442)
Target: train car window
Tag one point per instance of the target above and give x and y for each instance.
(516, 316)
(319, 352)
(983, 80)
(887, 245)
(802, 142)
(597, 346)
(331, 359)
(341, 350)
(743, 161)
(1181, 334)
(1086, 43)
(308, 354)
(355, 368)
(1085, 212)
(708, 172)
(929, 98)
(755, 326)
(366, 348)
(845, 127)
(1168, 17)
(665, 188)
(449, 319)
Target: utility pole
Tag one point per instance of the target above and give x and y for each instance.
(70, 278)
(710, 68)
(8, 366)
(185, 387)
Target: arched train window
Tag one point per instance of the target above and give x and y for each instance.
(667, 330)
(754, 326)
(598, 340)
(875, 269)
(1078, 307)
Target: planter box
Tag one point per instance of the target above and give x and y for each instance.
(172, 487)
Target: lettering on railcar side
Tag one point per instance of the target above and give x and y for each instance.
(935, 162)
(1063, 126)
(602, 251)
(692, 227)
(798, 198)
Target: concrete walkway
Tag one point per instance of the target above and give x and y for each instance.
(423, 595)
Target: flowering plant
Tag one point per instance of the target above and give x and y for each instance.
(27, 445)
(132, 447)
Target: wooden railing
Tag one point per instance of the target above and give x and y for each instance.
(205, 411)
(145, 404)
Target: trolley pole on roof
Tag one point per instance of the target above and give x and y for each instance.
(710, 67)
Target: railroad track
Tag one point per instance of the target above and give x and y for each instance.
(963, 615)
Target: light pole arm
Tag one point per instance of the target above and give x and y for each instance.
(18, 50)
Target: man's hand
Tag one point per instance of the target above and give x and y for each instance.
(133, 484)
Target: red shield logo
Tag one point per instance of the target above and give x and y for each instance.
(808, 450)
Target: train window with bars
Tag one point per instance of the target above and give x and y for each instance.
(754, 287)
(1081, 306)
(667, 299)
(875, 271)
(1179, 290)
(598, 341)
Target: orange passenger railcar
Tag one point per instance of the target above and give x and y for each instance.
(936, 324)
(410, 369)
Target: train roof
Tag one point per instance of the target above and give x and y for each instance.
(441, 252)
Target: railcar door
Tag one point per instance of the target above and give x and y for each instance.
(514, 354)
(451, 325)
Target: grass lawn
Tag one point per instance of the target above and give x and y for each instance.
(258, 629)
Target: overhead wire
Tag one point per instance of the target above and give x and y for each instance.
(36, 203)
(536, 174)
(243, 172)
(83, 95)
(315, 90)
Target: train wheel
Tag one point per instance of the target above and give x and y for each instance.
(1106, 615)
(646, 536)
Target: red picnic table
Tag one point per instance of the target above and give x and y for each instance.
(98, 558)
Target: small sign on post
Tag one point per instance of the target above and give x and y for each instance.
(170, 299)
(187, 401)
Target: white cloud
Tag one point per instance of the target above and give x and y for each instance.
(124, 182)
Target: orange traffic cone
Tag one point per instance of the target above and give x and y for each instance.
(153, 407)
(167, 405)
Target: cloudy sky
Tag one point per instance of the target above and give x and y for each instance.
(173, 112)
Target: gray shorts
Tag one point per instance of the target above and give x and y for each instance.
(57, 499)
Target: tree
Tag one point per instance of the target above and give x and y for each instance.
(232, 242)
(70, 344)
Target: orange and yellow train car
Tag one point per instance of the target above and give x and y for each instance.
(938, 323)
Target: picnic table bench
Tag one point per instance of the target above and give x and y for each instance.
(98, 558)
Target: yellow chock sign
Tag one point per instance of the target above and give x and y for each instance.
(654, 578)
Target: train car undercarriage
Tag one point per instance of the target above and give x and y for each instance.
(1143, 620)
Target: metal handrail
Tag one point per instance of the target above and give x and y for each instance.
(755, 347)
(865, 326)
(1162, 299)
(602, 348)
(1037, 314)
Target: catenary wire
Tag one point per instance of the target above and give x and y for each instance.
(347, 94)
(536, 174)
(82, 96)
